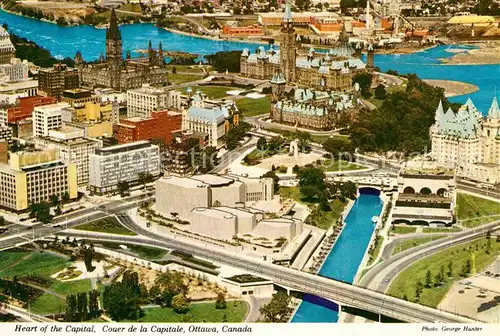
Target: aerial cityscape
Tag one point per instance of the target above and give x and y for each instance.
(240, 162)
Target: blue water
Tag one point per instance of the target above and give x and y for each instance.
(344, 259)
(65, 41)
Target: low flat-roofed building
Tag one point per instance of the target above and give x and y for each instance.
(11, 91)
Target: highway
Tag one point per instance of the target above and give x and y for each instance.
(379, 277)
(328, 288)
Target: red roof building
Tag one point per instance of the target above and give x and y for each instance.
(25, 107)
(159, 126)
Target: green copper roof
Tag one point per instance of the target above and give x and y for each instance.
(288, 12)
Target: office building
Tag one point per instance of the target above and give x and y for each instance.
(122, 163)
(146, 99)
(7, 50)
(48, 117)
(53, 81)
(16, 70)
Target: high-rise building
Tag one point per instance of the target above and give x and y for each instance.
(33, 177)
(48, 117)
(146, 99)
(160, 125)
(16, 70)
(7, 50)
(73, 147)
(53, 81)
(122, 163)
(24, 108)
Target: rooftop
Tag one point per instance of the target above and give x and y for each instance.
(123, 148)
(213, 180)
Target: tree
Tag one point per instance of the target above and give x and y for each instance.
(364, 81)
(380, 92)
(173, 282)
(466, 268)
(349, 190)
(94, 310)
(2, 221)
(121, 300)
(220, 303)
(303, 5)
(418, 289)
(428, 279)
(450, 269)
(174, 70)
(123, 188)
(71, 309)
(54, 200)
(65, 198)
(339, 149)
(82, 306)
(277, 309)
(216, 203)
(225, 60)
(166, 298)
(312, 182)
(262, 144)
(87, 258)
(180, 304)
(41, 211)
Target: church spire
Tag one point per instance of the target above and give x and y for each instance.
(113, 32)
(161, 59)
(287, 17)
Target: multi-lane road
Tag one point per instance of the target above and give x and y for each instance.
(334, 290)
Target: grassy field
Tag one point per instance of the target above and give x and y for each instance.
(404, 284)
(378, 245)
(71, 287)
(254, 107)
(469, 207)
(412, 242)
(438, 230)
(187, 68)
(108, 225)
(198, 312)
(183, 78)
(48, 304)
(330, 166)
(146, 252)
(41, 263)
(403, 229)
(214, 92)
(128, 7)
(8, 258)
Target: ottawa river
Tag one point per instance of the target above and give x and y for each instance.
(344, 260)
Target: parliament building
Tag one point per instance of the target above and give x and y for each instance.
(118, 73)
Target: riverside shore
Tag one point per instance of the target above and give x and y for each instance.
(488, 53)
(452, 88)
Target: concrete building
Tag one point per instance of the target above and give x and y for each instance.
(79, 97)
(179, 159)
(143, 101)
(468, 142)
(73, 147)
(425, 197)
(7, 50)
(32, 177)
(48, 117)
(214, 120)
(11, 91)
(122, 163)
(232, 29)
(23, 108)
(16, 70)
(53, 81)
(160, 125)
(6, 134)
(205, 191)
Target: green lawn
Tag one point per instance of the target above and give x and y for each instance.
(315, 138)
(440, 229)
(291, 192)
(335, 166)
(182, 78)
(186, 68)
(215, 92)
(403, 229)
(108, 225)
(48, 304)
(254, 107)
(41, 263)
(146, 252)
(198, 312)
(71, 287)
(469, 207)
(413, 242)
(378, 245)
(404, 284)
(8, 258)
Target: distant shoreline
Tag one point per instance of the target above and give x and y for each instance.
(453, 88)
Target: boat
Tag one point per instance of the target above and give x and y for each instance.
(374, 219)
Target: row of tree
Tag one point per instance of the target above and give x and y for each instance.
(82, 306)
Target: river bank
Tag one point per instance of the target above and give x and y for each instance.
(213, 38)
(453, 88)
(487, 53)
